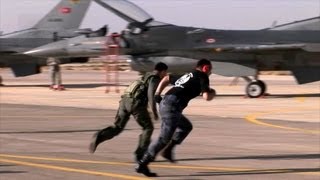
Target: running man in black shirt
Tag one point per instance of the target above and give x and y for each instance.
(175, 126)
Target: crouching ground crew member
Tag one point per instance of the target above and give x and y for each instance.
(175, 127)
(134, 102)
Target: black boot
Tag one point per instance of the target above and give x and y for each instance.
(143, 166)
(94, 142)
(139, 154)
(138, 157)
(103, 135)
(167, 153)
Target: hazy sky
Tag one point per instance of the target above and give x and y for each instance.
(219, 14)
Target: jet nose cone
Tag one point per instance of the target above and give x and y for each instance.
(36, 52)
(50, 50)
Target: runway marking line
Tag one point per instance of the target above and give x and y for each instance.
(67, 169)
(253, 119)
(245, 170)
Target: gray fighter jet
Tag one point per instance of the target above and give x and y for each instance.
(61, 22)
(239, 53)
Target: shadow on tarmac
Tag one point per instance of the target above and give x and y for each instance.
(260, 157)
(12, 172)
(54, 132)
(251, 172)
(70, 86)
(270, 96)
(9, 172)
(49, 132)
(5, 165)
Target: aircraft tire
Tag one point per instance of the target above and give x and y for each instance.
(256, 89)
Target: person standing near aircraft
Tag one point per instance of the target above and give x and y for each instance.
(135, 102)
(175, 126)
(55, 73)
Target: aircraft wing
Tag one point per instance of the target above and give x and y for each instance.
(20, 64)
(246, 48)
(11, 50)
(8, 52)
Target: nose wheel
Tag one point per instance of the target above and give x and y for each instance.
(256, 89)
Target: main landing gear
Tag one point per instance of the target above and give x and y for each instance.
(255, 88)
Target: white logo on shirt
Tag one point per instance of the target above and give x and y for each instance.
(182, 80)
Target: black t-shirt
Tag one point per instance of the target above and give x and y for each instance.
(189, 85)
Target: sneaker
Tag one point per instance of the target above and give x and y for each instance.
(55, 87)
(61, 88)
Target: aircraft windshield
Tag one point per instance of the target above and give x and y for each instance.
(157, 23)
(125, 9)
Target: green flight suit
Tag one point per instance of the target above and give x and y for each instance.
(139, 109)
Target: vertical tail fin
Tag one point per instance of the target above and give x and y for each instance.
(68, 14)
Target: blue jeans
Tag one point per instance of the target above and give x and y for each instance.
(174, 126)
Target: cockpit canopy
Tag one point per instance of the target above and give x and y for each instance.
(137, 18)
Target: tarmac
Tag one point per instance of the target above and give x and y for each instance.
(45, 134)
